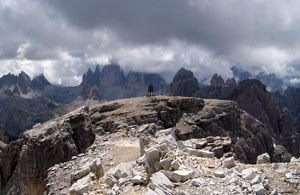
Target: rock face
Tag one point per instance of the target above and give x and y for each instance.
(91, 78)
(27, 102)
(113, 84)
(252, 96)
(24, 163)
(290, 100)
(89, 96)
(18, 114)
(184, 84)
(249, 137)
(39, 82)
(140, 81)
(218, 89)
(216, 80)
(180, 139)
(112, 75)
(15, 85)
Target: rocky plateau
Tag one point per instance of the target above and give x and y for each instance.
(150, 145)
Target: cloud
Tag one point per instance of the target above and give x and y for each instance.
(63, 39)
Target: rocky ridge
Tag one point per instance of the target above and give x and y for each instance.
(165, 145)
(114, 84)
(184, 84)
(253, 97)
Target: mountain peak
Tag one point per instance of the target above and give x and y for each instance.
(184, 83)
(216, 80)
(25, 77)
(39, 82)
(91, 78)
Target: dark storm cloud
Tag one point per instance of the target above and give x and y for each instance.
(220, 25)
(62, 38)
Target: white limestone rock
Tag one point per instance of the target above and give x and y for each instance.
(255, 180)
(84, 185)
(229, 162)
(137, 180)
(280, 167)
(159, 184)
(248, 174)
(198, 182)
(263, 159)
(199, 153)
(166, 163)
(181, 175)
(219, 174)
(259, 189)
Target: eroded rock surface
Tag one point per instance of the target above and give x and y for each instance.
(146, 145)
(24, 163)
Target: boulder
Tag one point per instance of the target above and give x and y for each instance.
(166, 163)
(219, 174)
(159, 184)
(263, 159)
(137, 180)
(110, 180)
(84, 185)
(152, 159)
(280, 167)
(294, 160)
(180, 175)
(218, 151)
(175, 165)
(199, 153)
(259, 189)
(94, 167)
(229, 162)
(248, 174)
(198, 182)
(255, 180)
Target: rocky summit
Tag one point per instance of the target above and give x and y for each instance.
(150, 145)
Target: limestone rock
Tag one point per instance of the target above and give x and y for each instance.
(199, 153)
(256, 180)
(259, 189)
(137, 180)
(198, 182)
(248, 174)
(166, 163)
(181, 175)
(229, 162)
(216, 80)
(184, 83)
(84, 185)
(53, 142)
(219, 174)
(160, 184)
(111, 180)
(263, 159)
(280, 167)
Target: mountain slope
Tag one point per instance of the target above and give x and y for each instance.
(51, 157)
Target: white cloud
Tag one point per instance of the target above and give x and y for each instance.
(63, 41)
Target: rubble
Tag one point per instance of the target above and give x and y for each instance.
(173, 158)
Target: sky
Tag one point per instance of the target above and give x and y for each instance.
(62, 39)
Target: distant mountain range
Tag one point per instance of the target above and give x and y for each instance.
(25, 102)
(271, 81)
(280, 111)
